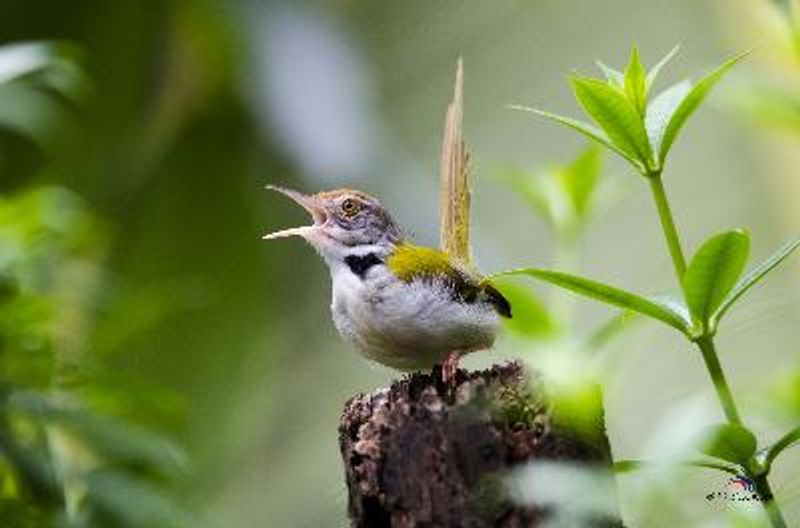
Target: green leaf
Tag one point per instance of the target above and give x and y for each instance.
(627, 466)
(713, 272)
(674, 302)
(607, 294)
(620, 120)
(689, 104)
(615, 77)
(653, 73)
(753, 276)
(661, 110)
(609, 330)
(590, 131)
(531, 318)
(635, 82)
(579, 180)
(731, 442)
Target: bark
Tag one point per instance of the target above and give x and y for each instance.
(423, 454)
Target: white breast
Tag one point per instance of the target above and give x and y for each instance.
(407, 326)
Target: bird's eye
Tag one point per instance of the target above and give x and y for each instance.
(350, 207)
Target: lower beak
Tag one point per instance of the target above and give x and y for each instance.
(307, 202)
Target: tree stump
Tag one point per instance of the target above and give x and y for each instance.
(423, 454)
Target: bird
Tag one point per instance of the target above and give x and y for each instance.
(402, 305)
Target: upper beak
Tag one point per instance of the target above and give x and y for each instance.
(308, 202)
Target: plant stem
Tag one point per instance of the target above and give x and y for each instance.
(782, 443)
(668, 225)
(706, 344)
(764, 492)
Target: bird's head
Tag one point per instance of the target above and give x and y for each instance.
(344, 220)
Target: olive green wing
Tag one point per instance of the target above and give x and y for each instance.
(409, 262)
(455, 192)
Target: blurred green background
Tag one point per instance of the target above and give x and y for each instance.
(147, 170)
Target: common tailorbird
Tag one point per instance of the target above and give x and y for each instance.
(405, 306)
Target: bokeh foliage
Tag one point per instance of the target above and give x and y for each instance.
(77, 448)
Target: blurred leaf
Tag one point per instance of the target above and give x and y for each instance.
(782, 398)
(53, 66)
(134, 503)
(577, 404)
(607, 294)
(123, 395)
(579, 180)
(17, 60)
(130, 314)
(785, 6)
(713, 272)
(614, 77)
(586, 129)
(770, 103)
(732, 442)
(621, 467)
(35, 80)
(654, 71)
(539, 192)
(611, 329)
(118, 440)
(790, 12)
(531, 318)
(8, 285)
(753, 276)
(686, 107)
(562, 195)
(635, 82)
(615, 115)
(17, 513)
(576, 495)
(32, 467)
(31, 113)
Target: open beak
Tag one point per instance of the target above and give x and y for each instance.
(308, 202)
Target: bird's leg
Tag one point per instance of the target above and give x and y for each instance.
(450, 367)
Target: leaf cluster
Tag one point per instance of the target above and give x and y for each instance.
(643, 132)
(74, 444)
(626, 120)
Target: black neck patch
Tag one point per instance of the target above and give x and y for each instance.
(360, 264)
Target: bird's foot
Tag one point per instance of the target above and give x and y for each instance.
(450, 367)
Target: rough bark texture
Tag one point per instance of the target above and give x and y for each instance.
(422, 454)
